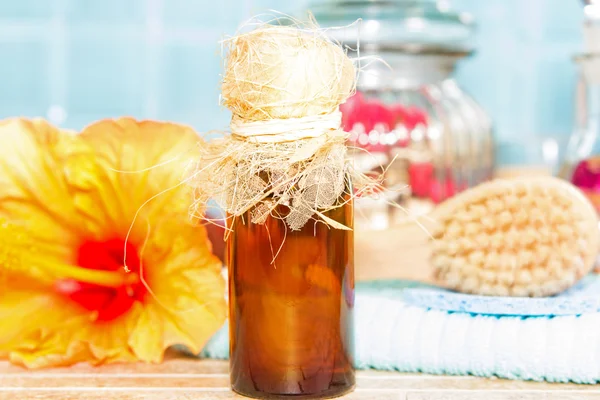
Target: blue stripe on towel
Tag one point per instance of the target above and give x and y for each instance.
(582, 298)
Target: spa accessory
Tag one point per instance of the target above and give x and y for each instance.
(582, 158)
(591, 26)
(583, 298)
(397, 336)
(520, 237)
(411, 110)
(285, 182)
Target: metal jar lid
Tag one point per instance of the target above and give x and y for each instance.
(404, 26)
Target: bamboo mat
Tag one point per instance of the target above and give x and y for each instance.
(188, 379)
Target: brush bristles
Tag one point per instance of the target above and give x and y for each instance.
(515, 238)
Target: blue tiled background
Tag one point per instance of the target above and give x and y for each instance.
(74, 61)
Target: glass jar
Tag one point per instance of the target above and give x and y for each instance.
(409, 118)
(291, 297)
(591, 26)
(582, 160)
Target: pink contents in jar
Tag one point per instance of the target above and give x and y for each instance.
(380, 128)
(368, 120)
(587, 178)
(421, 178)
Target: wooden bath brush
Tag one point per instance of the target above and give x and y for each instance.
(515, 237)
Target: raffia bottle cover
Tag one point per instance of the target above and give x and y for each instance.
(283, 86)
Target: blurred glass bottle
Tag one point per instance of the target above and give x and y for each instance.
(409, 116)
(582, 160)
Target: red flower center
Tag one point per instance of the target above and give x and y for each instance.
(109, 302)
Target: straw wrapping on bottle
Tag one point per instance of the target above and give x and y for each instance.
(283, 130)
(286, 150)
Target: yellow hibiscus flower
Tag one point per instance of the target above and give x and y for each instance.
(67, 202)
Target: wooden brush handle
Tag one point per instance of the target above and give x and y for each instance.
(399, 252)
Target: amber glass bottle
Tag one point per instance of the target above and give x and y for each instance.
(291, 299)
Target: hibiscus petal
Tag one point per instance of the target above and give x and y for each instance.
(33, 192)
(77, 339)
(36, 328)
(125, 163)
(48, 356)
(191, 307)
(188, 286)
(16, 310)
(146, 339)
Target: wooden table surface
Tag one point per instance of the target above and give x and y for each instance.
(190, 379)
